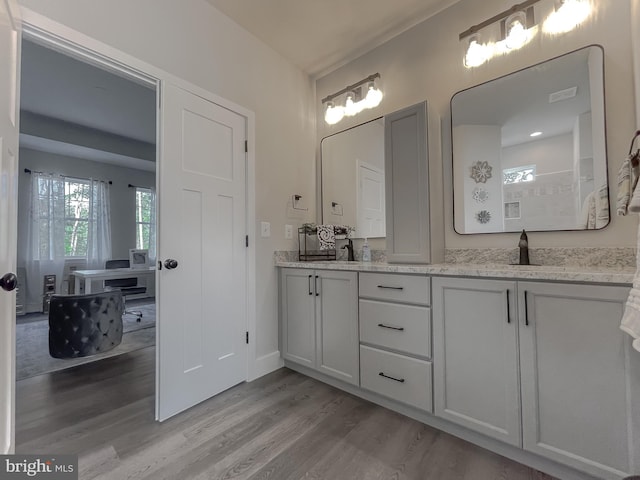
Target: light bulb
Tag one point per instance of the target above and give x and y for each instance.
(477, 53)
(567, 16)
(517, 34)
(351, 107)
(373, 97)
(333, 114)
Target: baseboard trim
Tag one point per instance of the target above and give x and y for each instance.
(265, 364)
(514, 453)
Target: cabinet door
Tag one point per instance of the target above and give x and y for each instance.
(337, 325)
(580, 378)
(475, 356)
(298, 322)
(407, 185)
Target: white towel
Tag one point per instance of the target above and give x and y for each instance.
(631, 318)
(624, 187)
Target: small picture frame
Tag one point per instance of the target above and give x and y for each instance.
(138, 258)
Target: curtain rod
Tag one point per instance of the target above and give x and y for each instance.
(138, 186)
(27, 170)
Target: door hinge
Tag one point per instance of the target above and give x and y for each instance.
(246, 240)
(247, 337)
(246, 146)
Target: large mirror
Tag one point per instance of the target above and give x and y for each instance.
(529, 149)
(353, 179)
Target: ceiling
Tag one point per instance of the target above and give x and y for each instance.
(321, 35)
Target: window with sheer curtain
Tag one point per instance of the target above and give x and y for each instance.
(69, 218)
(146, 220)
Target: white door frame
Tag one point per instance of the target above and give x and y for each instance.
(59, 37)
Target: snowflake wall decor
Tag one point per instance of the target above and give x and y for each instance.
(480, 195)
(481, 171)
(483, 216)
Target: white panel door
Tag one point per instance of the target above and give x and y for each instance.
(9, 68)
(202, 225)
(370, 208)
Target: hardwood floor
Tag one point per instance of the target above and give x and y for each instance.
(281, 426)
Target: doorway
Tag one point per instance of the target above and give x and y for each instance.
(86, 132)
(196, 133)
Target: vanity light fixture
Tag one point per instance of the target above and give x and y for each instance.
(535, 134)
(518, 27)
(568, 15)
(355, 99)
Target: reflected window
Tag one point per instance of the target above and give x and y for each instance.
(519, 174)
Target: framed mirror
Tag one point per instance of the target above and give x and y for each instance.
(529, 149)
(353, 179)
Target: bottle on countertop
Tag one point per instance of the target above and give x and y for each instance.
(366, 251)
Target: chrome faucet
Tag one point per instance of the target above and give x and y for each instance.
(523, 244)
(349, 247)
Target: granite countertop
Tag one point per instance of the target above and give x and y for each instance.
(623, 275)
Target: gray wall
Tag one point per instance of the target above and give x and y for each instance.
(426, 63)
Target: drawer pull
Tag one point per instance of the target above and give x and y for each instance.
(390, 288)
(400, 329)
(400, 380)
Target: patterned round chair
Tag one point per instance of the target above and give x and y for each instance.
(83, 325)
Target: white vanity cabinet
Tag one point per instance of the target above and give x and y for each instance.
(542, 366)
(395, 337)
(319, 313)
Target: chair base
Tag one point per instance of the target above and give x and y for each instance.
(134, 312)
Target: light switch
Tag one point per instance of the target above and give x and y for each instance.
(265, 229)
(288, 231)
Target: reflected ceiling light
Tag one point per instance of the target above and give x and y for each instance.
(535, 134)
(354, 100)
(567, 16)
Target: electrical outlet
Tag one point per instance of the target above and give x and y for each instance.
(265, 229)
(288, 231)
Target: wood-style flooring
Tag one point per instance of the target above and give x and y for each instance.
(281, 426)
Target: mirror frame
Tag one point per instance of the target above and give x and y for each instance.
(606, 157)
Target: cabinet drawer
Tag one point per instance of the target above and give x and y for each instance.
(395, 287)
(410, 380)
(406, 328)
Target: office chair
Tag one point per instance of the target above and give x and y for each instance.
(83, 325)
(128, 286)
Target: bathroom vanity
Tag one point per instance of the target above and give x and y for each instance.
(528, 362)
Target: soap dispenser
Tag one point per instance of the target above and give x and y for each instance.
(366, 251)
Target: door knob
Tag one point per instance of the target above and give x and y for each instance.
(9, 281)
(170, 263)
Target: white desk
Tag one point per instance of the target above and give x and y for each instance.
(87, 276)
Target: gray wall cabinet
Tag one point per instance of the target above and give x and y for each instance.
(414, 206)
